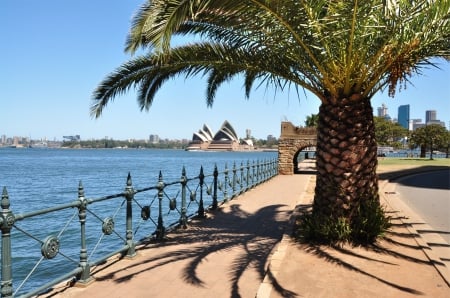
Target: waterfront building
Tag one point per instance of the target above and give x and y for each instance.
(153, 139)
(225, 139)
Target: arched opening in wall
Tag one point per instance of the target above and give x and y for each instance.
(304, 160)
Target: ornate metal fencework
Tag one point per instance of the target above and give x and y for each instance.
(106, 226)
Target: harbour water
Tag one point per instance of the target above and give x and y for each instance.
(41, 178)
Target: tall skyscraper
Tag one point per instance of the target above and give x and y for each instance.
(430, 116)
(403, 116)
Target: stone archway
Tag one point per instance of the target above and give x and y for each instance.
(293, 139)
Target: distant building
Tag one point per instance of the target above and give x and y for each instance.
(225, 139)
(248, 134)
(430, 116)
(271, 138)
(438, 122)
(403, 116)
(416, 123)
(382, 111)
(153, 139)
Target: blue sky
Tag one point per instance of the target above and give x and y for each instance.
(54, 53)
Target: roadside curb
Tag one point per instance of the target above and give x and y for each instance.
(387, 194)
(276, 259)
(432, 244)
(274, 263)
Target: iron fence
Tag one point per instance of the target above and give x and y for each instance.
(65, 241)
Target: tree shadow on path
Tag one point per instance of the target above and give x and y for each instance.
(396, 252)
(251, 236)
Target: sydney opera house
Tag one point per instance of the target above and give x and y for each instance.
(225, 139)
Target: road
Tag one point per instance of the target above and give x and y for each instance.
(428, 194)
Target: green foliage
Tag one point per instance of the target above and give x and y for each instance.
(369, 222)
(388, 133)
(432, 137)
(334, 49)
(323, 229)
(312, 120)
(364, 227)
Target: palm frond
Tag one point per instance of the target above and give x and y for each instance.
(332, 48)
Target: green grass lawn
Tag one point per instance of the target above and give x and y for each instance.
(414, 161)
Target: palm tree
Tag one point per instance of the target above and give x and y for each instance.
(312, 120)
(343, 51)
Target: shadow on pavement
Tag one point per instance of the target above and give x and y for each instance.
(443, 183)
(396, 249)
(187, 250)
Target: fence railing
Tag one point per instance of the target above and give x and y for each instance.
(42, 248)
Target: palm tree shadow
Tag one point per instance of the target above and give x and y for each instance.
(252, 235)
(321, 253)
(396, 243)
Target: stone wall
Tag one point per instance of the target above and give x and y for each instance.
(293, 139)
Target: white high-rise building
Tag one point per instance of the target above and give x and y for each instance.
(382, 111)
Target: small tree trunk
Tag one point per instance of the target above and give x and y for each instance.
(346, 159)
(423, 151)
(431, 149)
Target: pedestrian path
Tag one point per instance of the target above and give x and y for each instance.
(245, 249)
(225, 255)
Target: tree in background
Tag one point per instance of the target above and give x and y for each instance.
(430, 137)
(388, 133)
(446, 146)
(312, 120)
(342, 51)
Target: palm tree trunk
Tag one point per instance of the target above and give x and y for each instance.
(346, 159)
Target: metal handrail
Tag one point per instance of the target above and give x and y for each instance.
(209, 190)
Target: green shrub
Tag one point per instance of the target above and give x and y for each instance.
(364, 227)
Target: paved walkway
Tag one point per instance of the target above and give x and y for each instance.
(244, 250)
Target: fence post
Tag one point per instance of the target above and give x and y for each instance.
(254, 173)
(233, 183)
(215, 174)
(248, 176)
(225, 192)
(258, 171)
(183, 217)
(160, 230)
(241, 181)
(129, 195)
(264, 169)
(85, 275)
(201, 208)
(6, 223)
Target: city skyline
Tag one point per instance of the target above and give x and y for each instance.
(404, 117)
(382, 111)
(56, 53)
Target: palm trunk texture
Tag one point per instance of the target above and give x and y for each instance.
(346, 159)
